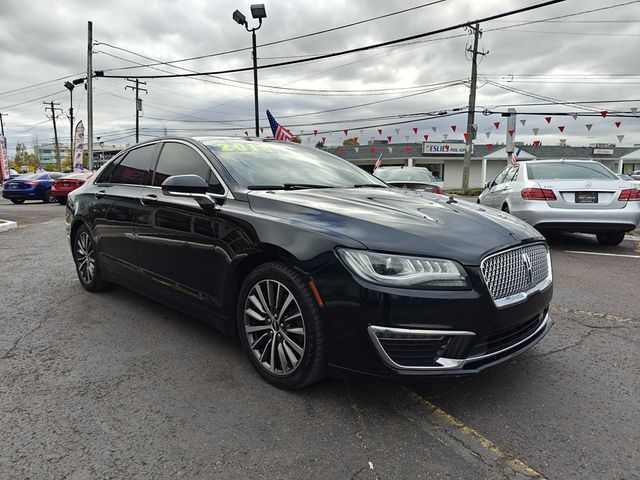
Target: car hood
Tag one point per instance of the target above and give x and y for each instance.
(400, 221)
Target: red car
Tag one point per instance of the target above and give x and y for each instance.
(67, 183)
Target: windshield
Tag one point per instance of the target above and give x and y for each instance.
(262, 164)
(568, 171)
(405, 175)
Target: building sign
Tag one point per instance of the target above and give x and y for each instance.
(433, 148)
(603, 151)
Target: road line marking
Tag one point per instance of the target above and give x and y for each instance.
(603, 254)
(509, 459)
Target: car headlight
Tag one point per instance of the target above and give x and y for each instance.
(404, 271)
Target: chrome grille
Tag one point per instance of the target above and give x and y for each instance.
(516, 271)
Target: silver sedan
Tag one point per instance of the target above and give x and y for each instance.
(567, 195)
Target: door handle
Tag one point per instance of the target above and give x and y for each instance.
(148, 199)
(99, 194)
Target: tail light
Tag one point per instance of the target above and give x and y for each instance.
(437, 190)
(32, 183)
(538, 194)
(629, 195)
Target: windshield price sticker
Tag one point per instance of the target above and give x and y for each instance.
(241, 147)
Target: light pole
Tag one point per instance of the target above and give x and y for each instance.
(257, 11)
(70, 86)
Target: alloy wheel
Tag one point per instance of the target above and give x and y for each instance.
(274, 327)
(85, 258)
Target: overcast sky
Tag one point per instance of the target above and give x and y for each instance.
(592, 57)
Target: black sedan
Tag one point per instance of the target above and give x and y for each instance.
(316, 265)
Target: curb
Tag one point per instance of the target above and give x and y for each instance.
(7, 225)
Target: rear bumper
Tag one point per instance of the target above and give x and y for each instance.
(22, 194)
(541, 216)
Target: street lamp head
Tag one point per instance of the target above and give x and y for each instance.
(239, 18)
(78, 81)
(70, 86)
(258, 11)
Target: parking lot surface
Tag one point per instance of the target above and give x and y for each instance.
(114, 385)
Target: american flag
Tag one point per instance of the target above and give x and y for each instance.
(279, 132)
(514, 156)
(378, 162)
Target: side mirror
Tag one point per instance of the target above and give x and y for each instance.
(184, 184)
(488, 185)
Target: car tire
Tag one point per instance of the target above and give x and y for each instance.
(278, 321)
(610, 238)
(16, 201)
(85, 256)
(505, 208)
(48, 198)
(478, 201)
(61, 200)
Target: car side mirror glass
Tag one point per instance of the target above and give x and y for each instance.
(178, 184)
(488, 185)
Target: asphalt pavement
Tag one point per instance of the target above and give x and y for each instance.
(114, 385)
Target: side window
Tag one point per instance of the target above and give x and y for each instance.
(500, 178)
(180, 159)
(134, 167)
(512, 175)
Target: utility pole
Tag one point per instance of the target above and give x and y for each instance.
(477, 33)
(4, 140)
(138, 102)
(90, 94)
(2, 122)
(53, 109)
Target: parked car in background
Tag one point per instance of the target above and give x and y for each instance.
(412, 178)
(567, 195)
(344, 275)
(34, 186)
(630, 179)
(635, 174)
(13, 173)
(65, 184)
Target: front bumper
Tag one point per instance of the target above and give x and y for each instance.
(540, 215)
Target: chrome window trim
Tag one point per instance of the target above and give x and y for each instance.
(519, 297)
(444, 363)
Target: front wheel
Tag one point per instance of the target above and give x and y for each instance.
(610, 238)
(16, 201)
(279, 326)
(85, 256)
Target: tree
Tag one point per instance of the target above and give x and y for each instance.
(296, 139)
(67, 162)
(350, 142)
(20, 158)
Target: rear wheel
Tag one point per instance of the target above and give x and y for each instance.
(610, 238)
(16, 201)
(48, 198)
(85, 256)
(279, 326)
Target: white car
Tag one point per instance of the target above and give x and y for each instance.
(567, 195)
(630, 179)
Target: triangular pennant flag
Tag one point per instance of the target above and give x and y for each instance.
(340, 149)
(488, 134)
(618, 124)
(406, 138)
(575, 116)
(315, 133)
(434, 129)
(346, 132)
(246, 134)
(373, 149)
(563, 141)
(261, 130)
(466, 136)
(523, 122)
(445, 135)
(620, 137)
(535, 131)
(511, 132)
(489, 146)
(548, 119)
(415, 130)
(397, 131)
(355, 139)
(356, 149)
(604, 113)
(561, 128)
(475, 127)
(426, 138)
(497, 125)
(324, 139)
(389, 138)
(634, 109)
(453, 127)
(390, 149)
(589, 125)
(537, 143)
(407, 149)
(379, 131)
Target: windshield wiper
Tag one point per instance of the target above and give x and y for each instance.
(287, 186)
(369, 185)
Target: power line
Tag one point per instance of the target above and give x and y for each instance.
(39, 84)
(354, 50)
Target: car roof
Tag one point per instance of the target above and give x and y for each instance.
(556, 160)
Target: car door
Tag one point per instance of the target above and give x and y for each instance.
(492, 197)
(509, 186)
(178, 240)
(118, 196)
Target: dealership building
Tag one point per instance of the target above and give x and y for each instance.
(445, 160)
